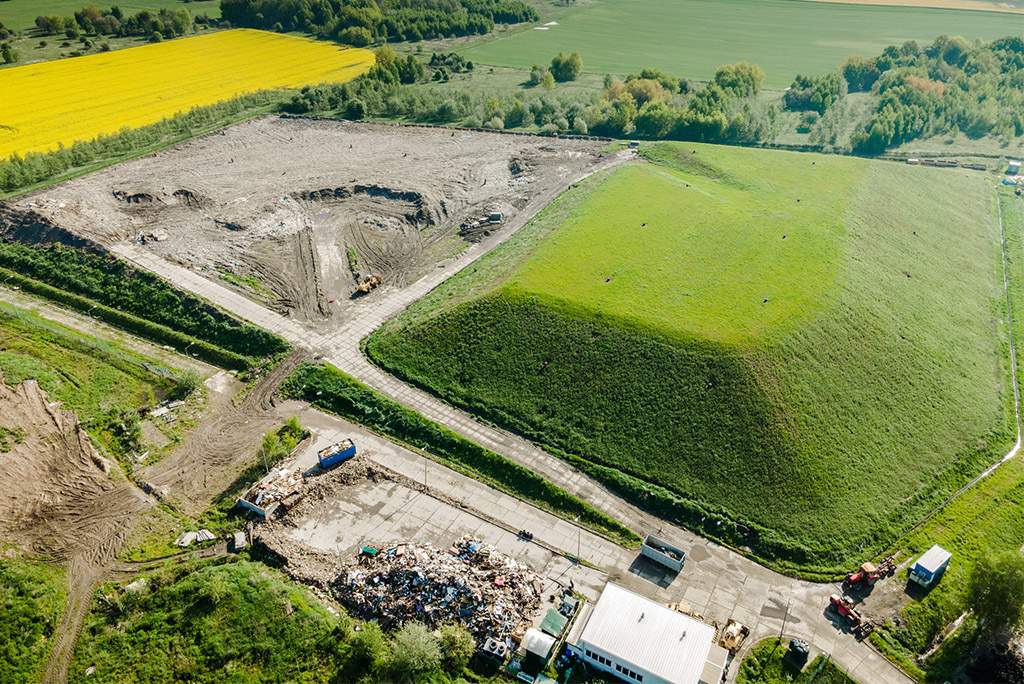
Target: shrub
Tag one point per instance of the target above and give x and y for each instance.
(566, 67)
(416, 651)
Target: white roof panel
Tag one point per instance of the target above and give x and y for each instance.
(638, 631)
(933, 559)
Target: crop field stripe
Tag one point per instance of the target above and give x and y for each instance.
(55, 103)
(970, 5)
(692, 38)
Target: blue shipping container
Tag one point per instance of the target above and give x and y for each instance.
(336, 453)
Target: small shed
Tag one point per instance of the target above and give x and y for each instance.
(1012, 167)
(553, 623)
(930, 566)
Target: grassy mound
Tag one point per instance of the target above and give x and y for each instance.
(239, 621)
(810, 347)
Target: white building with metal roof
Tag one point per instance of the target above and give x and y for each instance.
(639, 640)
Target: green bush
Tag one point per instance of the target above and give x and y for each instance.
(135, 294)
(151, 331)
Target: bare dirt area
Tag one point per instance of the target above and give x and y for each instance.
(209, 457)
(59, 498)
(293, 211)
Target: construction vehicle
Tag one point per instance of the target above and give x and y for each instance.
(370, 282)
(733, 636)
(869, 573)
(845, 607)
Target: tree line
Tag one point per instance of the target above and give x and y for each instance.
(362, 22)
(166, 23)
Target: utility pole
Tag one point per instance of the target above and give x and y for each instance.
(263, 449)
(786, 615)
(579, 535)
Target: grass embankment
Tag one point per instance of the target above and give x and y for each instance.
(108, 386)
(767, 664)
(238, 621)
(92, 378)
(328, 388)
(693, 38)
(797, 353)
(983, 521)
(137, 301)
(32, 596)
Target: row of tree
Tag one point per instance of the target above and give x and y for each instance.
(114, 22)
(362, 22)
(651, 104)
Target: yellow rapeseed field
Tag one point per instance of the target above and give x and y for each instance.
(42, 105)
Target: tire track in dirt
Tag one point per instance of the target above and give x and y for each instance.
(201, 467)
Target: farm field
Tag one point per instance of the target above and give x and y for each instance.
(692, 38)
(78, 99)
(19, 15)
(777, 344)
(979, 5)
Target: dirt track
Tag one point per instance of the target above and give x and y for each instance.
(210, 456)
(287, 202)
(58, 499)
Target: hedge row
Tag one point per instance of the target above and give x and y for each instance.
(133, 324)
(113, 282)
(330, 389)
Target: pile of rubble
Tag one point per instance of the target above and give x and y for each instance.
(490, 593)
(282, 487)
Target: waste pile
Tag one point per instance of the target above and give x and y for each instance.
(490, 593)
(282, 487)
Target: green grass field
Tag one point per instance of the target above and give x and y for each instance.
(19, 15)
(32, 596)
(985, 520)
(239, 620)
(766, 664)
(694, 37)
(91, 377)
(828, 386)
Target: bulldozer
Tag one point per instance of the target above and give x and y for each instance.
(370, 282)
(733, 636)
(845, 607)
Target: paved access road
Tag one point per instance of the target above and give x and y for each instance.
(717, 582)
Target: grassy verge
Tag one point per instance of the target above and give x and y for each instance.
(767, 664)
(32, 596)
(137, 301)
(328, 388)
(982, 521)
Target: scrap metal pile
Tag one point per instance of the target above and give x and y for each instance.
(490, 593)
